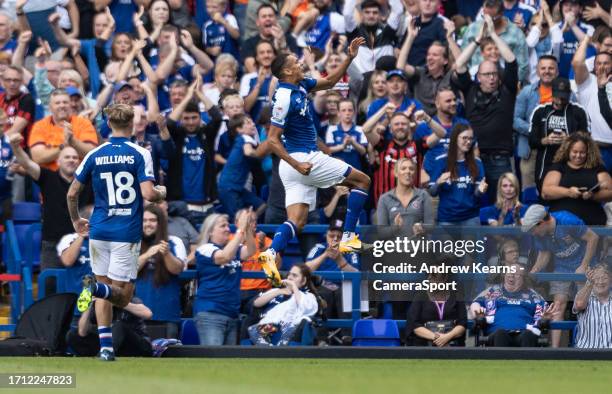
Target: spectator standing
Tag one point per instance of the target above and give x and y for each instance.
(327, 24)
(346, 140)
(430, 28)
(587, 84)
(252, 287)
(256, 87)
(380, 37)
(530, 97)
(191, 170)
(506, 30)
(446, 117)
(489, 104)
(219, 269)
(232, 180)
(388, 152)
(434, 74)
(53, 186)
(397, 94)
(552, 123)
(405, 205)
(568, 33)
(269, 29)
(18, 106)
(577, 181)
(162, 259)
(459, 179)
(58, 130)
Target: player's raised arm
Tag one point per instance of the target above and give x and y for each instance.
(330, 80)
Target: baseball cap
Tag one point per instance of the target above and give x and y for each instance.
(561, 88)
(72, 91)
(397, 73)
(534, 215)
(120, 85)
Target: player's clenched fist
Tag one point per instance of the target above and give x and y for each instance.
(162, 191)
(304, 168)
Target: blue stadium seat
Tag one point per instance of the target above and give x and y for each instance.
(189, 333)
(30, 249)
(26, 212)
(376, 332)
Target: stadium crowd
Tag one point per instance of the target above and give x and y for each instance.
(464, 113)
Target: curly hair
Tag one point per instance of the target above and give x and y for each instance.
(593, 156)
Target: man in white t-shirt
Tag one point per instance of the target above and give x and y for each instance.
(587, 86)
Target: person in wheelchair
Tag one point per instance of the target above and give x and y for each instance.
(285, 308)
(511, 313)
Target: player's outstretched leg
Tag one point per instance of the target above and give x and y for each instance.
(359, 183)
(297, 214)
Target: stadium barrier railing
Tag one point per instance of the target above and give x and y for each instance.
(354, 277)
(19, 298)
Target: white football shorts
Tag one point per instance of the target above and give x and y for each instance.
(326, 171)
(115, 260)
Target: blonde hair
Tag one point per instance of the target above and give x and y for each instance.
(208, 225)
(225, 62)
(363, 107)
(226, 99)
(398, 164)
(120, 116)
(72, 75)
(499, 201)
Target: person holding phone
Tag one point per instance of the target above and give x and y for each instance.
(577, 181)
(552, 123)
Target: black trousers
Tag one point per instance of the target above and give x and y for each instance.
(504, 338)
(126, 342)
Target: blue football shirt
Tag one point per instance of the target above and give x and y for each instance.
(116, 168)
(291, 112)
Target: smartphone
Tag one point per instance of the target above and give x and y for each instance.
(595, 188)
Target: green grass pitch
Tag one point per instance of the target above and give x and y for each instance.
(233, 376)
